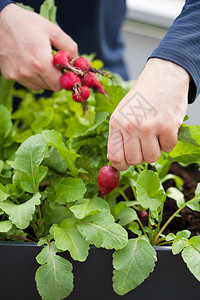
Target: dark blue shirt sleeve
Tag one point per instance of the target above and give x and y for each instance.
(181, 45)
(3, 3)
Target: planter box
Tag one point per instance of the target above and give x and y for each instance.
(93, 279)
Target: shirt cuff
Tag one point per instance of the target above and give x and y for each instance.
(3, 3)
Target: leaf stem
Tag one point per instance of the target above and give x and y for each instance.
(139, 169)
(142, 227)
(124, 195)
(171, 218)
(34, 229)
(134, 192)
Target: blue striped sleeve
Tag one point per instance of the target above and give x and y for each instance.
(181, 45)
(3, 3)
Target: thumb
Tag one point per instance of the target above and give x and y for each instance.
(62, 41)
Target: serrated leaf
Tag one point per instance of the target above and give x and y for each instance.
(191, 256)
(150, 194)
(21, 214)
(184, 234)
(30, 155)
(178, 245)
(54, 278)
(185, 153)
(54, 138)
(170, 237)
(102, 231)
(132, 265)
(67, 237)
(5, 226)
(69, 190)
(84, 207)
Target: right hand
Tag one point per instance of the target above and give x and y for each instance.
(26, 41)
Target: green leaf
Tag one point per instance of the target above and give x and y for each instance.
(185, 153)
(54, 278)
(5, 123)
(170, 237)
(150, 194)
(195, 204)
(55, 161)
(126, 216)
(116, 94)
(21, 214)
(5, 226)
(179, 244)
(30, 155)
(55, 215)
(133, 264)
(48, 10)
(177, 195)
(191, 256)
(54, 138)
(84, 207)
(69, 190)
(102, 231)
(99, 119)
(184, 234)
(6, 87)
(189, 134)
(67, 237)
(3, 193)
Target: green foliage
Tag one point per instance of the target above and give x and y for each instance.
(133, 264)
(54, 278)
(50, 156)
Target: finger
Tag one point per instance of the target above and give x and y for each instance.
(116, 151)
(62, 41)
(168, 138)
(133, 150)
(150, 148)
(51, 76)
(30, 85)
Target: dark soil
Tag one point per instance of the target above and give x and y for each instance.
(189, 219)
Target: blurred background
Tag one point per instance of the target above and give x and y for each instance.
(147, 23)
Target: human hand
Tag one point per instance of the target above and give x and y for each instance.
(147, 119)
(26, 41)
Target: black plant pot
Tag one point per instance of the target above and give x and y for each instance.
(93, 279)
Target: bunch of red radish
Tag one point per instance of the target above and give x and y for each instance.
(78, 76)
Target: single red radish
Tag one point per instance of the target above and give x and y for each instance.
(108, 179)
(70, 81)
(142, 214)
(91, 80)
(82, 95)
(83, 64)
(62, 59)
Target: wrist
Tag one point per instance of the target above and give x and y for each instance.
(170, 69)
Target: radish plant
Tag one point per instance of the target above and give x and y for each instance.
(57, 189)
